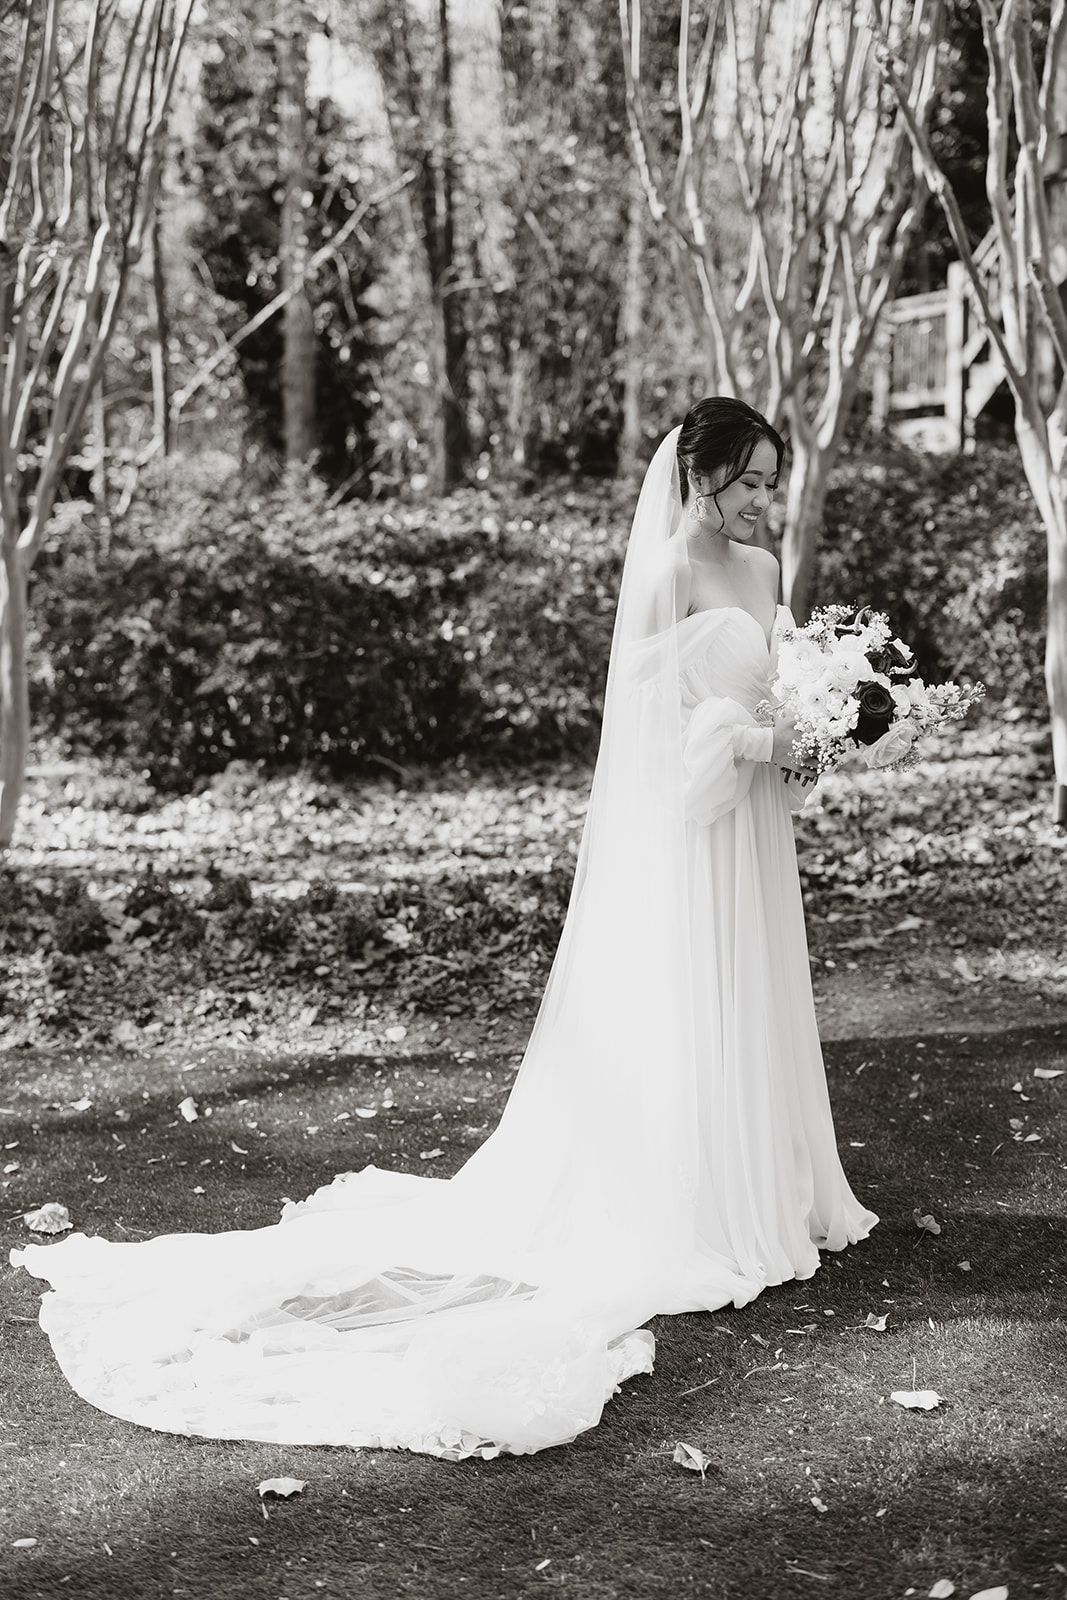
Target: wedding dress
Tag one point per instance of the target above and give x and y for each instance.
(667, 1146)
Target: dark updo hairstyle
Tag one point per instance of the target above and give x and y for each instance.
(718, 436)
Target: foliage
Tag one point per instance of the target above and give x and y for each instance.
(279, 629)
(953, 548)
(239, 187)
(290, 896)
(550, 327)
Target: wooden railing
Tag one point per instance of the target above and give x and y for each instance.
(927, 356)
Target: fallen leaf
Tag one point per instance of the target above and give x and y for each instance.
(541, 1565)
(49, 1218)
(430, 1155)
(817, 1503)
(23, 1544)
(999, 1593)
(877, 1323)
(916, 1399)
(237, 1149)
(942, 1589)
(926, 1222)
(396, 1033)
(81, 1105)
(964, 1266)
(187, 1107)
(1049, 1072)
(281, 1486)
(366, 1111)
(688, 1456)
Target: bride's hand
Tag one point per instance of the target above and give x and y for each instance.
(784, 735)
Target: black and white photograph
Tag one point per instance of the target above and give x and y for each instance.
(533, 799)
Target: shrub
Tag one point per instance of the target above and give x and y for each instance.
(953, 549)
(79, 925)
(235, 630)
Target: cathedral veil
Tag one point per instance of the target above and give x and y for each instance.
(500, 1308)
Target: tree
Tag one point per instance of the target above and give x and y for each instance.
(257, 255)
(79, 166)
(831, 200)
(415, 62)
(1020, 303)
(298, 359)
(568, 305)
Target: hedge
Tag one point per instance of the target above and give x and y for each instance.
(272, 627)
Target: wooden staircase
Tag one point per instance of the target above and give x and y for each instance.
(934, 369)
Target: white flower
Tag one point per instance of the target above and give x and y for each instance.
(894, 743)
(846, 670)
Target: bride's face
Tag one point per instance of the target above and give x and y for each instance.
(744, 502)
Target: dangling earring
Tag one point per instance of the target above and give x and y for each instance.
(699, 508)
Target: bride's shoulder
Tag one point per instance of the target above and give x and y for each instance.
(762, 560)
(764, 566)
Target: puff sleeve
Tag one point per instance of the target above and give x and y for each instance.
(721, 742)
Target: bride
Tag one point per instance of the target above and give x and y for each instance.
(668, 1143)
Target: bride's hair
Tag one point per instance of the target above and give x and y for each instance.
(718, 436)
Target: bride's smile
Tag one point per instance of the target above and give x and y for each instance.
(733, 506)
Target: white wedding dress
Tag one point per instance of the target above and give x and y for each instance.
(667, 1146)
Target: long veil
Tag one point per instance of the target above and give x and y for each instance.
(500, 1308)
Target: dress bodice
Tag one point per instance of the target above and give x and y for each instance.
(724, 651)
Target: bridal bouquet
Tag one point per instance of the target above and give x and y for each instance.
(848, 682)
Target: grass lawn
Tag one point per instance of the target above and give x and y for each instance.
(940, 997)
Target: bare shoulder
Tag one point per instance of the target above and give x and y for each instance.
(765, 565)
(763, 560)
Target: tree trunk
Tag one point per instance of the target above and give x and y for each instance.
(1056, 668)
(298, 325)
(14, 692)
(632, 325)
(452, 320)
(1055, 176)
(521, 377)
(809, 478)
(99, 486)
(161, 376)
(1050, 497)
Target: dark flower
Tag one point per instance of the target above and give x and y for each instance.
(875, 713)
(874, 699)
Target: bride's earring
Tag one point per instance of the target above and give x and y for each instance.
(698, 510)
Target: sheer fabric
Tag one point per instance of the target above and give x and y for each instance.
(667, 1145)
